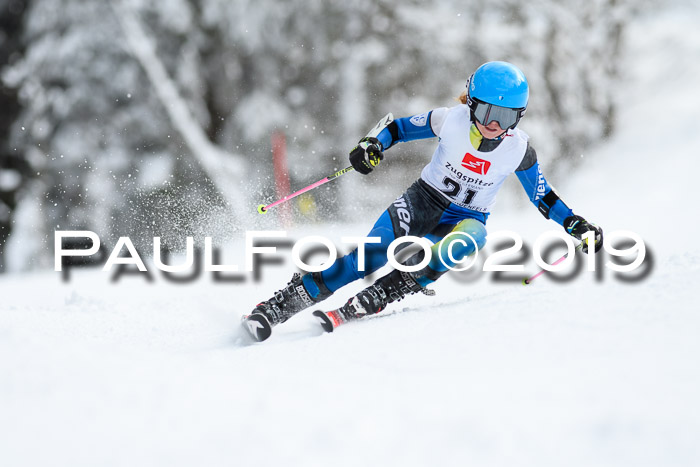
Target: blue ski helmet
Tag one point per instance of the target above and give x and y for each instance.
(500, 84)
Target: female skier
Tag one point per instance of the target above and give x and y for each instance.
(478, 147)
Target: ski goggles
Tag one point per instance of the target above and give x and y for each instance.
(504, 116)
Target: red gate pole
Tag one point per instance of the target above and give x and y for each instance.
(281, 172)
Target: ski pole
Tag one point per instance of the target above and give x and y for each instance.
(262, 209)
(527, 281)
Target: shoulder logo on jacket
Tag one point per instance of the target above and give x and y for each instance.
(420, 120)
(476, 165)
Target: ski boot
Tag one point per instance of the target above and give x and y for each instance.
(391, 288)
(284, 304)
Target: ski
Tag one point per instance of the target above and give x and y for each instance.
(256, 326)
(330, 320)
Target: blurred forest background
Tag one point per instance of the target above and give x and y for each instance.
(141, 119)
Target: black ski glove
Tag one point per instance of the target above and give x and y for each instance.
(577, 226)
(366, 155)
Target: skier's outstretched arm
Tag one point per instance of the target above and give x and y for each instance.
(548, 202)
(369, 151)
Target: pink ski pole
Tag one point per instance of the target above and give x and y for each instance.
(262, 209)
(527, 281)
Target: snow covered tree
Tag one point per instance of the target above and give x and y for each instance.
(107, 154)
(13, 168)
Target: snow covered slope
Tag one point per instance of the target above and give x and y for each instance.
(581, 372)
